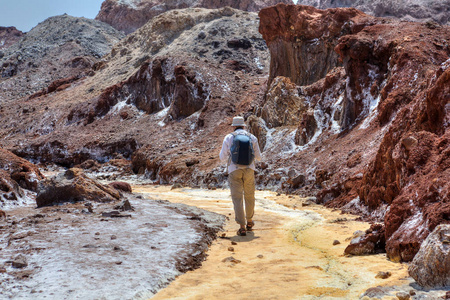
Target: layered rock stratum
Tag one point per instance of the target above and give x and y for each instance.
(129, 15)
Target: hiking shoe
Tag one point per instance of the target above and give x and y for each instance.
(241, 232)
(250, 225)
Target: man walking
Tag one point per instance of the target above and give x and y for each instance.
(239, 149)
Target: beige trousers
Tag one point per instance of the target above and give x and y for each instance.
(242, 185)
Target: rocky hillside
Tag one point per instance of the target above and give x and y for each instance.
(60, 47)
(411, 10)
(187, 72)
(129, 15)
(8, 37)
(349, 108)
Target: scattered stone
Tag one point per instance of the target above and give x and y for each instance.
(97, 233)
(117, 248)
(231, 249)
(114, 214)
(19, 262)
(90, 246)
(260, 256)
(370, 242)
(231, 259)
(118, 262)
(383, 275)
(121, 186)
(336, 242)
(314, 267)
(233, 243)
(403, 296)
(113, 237)
(2, 214)
(124, 206)
(375, 292)
(2, 270)
(176, 186)
(307, 203)
(409, 142)
(412, 292)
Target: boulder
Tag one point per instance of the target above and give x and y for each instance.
(71, 186)
(430, 267)
(121, 186)
(370, 242)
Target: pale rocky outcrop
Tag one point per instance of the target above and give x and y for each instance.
(128, 16)
(283, 105)
(59, 47)
(411, 10)
(431, 265)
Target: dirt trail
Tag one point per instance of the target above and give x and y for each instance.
(289, 255)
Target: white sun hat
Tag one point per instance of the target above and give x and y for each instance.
(238, 121)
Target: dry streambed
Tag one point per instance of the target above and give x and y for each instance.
(293, 252)
(289, 255)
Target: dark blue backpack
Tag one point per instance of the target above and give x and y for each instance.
(242, 152)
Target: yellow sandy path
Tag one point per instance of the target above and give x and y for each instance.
(289, 255)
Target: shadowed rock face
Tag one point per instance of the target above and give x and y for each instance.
(128, 16)
(301, 39)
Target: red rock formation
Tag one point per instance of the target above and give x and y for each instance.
(26, 174)
(397, 73)
(10, 191)
(9, 36)
(128, 16)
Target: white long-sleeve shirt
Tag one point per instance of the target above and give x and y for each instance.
(225, 153)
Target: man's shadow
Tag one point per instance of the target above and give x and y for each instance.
(247, 238)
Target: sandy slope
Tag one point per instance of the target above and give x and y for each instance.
(290, 254)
